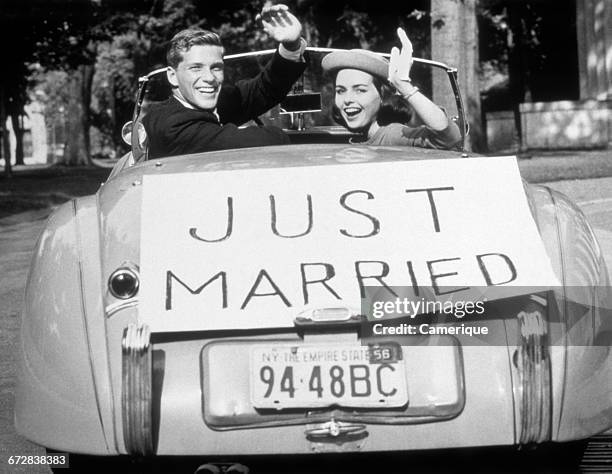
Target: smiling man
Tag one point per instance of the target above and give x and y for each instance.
(203, 113)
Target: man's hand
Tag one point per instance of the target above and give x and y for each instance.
(281, 25)
(401, 63)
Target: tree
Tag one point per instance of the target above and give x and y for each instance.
(103, 46)
(69, 38)
(454, 39)
(17, 125)
(4, 138)
(15, 102)
(18, 50)
(529, 50)
(136, 43)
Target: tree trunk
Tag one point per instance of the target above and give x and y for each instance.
(454, 41)
(4, 138)
(87, 74)
(518, 64)
(18, 131)
(77, 149)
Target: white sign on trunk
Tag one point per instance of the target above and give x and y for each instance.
(254, 248)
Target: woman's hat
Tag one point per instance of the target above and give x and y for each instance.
(361, 59)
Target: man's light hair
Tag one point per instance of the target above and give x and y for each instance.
(185, 39)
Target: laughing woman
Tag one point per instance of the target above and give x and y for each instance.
(376, 97)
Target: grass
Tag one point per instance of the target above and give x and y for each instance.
(562, 165)
(33, 188)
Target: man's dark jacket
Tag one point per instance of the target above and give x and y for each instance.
(173, 129)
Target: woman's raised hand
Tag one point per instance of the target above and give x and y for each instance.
(401, 63)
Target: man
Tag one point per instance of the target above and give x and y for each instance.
(203, 114)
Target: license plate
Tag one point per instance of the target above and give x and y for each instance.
(310, 376)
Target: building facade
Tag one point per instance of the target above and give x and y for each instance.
(586, 122)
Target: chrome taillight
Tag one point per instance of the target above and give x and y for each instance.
(534, 367)
(137, 390)
(124, 282)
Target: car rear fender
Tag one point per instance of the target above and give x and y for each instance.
(580, 340)
(62, 398)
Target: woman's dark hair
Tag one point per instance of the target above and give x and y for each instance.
(393, 107)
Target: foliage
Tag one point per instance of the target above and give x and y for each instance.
(123, 39)
(129, 39)
(51, 90)
(333, 23)
(114, 87)
(18, 43)
(527, 50)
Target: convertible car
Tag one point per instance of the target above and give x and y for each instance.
(263, 301)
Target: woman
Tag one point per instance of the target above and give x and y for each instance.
(376, 97)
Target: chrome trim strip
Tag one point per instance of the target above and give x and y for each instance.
(561, 298)
(263, 52)
(333, 429)
(137, 392)
(117, 306)
(85, 318)
(112, 387)
(146, 77)
(329, 315)
(319, 50)
(464, 126)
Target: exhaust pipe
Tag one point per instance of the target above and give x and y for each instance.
(222, 468)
